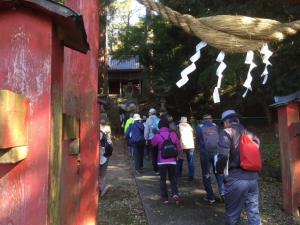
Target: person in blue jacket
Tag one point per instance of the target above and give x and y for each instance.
(135, 135)
(208, 138)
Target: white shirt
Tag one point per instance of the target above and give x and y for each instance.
(186, 136)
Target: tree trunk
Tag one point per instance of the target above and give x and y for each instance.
(265, 107)
(103, 58)
(267, 112)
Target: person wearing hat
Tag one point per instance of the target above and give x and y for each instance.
(186, 133)
(128, 122)
(208, 138)
(151, 128)
(241, 186)
(135, 135)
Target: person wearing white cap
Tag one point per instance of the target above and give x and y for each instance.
(151, 128)
(186, 133)
(241, 186)
(135, 135)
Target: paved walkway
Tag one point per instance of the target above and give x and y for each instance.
(193, 210)
(135, 200)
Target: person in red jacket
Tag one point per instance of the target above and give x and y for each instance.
(166, 166)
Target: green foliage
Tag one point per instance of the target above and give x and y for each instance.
(106, 3)
(119, 14)
(164, 51)
(271, 155)
(59, 1)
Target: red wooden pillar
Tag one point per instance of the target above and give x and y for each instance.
(80, 101)
(25, 69)
(33, 35)
(288, 121)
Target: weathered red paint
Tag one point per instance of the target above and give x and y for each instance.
(290, 156)
(55, 157)
(25, 68)
(45, 188)
(80, 100)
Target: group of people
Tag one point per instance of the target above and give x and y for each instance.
(219, 155)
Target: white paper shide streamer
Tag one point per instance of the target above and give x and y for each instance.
(184, 73)
(249, 60)
(219, 73)
(266, 55)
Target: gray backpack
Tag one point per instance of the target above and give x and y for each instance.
(211, 138)
(154, 125)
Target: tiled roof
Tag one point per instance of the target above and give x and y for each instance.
(284, 100)
(127, 64)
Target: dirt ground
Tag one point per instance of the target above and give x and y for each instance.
(135, 200)
(121, 205)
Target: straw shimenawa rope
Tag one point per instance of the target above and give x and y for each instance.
(232, 34)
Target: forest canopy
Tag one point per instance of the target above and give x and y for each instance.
(164, 51)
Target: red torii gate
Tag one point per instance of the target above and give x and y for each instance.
(289, 133)
(49, 116)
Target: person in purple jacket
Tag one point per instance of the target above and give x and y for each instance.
(166, 166)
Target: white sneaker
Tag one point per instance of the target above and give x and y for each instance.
(138, 172)
(104, 191)
(210, 201)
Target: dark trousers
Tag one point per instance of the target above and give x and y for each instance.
(241, 194)
(170, 170)
(207, 164)
(102, 173)
(148, 149)
(154, 155)
(138, 153)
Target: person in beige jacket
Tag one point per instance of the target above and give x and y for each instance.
(186, 133)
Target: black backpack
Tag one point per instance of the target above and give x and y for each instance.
(107, 147)
(168, 149)
(108, 150)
